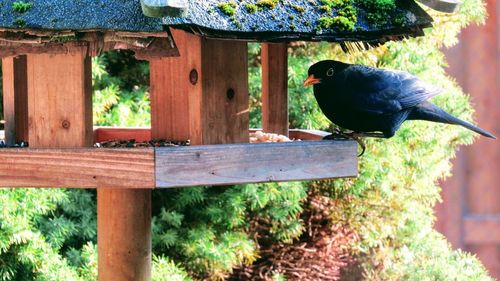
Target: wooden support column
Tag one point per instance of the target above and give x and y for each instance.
(203, 94)
(15, 95)
(124, 234)
(60, 99)
(274, 57)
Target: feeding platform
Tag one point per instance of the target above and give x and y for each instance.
(199, 92)
(164, 167)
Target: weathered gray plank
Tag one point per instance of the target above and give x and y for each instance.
(252, 163)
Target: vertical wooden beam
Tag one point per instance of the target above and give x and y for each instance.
(124, 234)
(15, 95)
(60, 99)
(174, 81)
(203, 94)
(274, 59)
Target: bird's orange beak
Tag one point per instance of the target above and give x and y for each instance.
(311, 80)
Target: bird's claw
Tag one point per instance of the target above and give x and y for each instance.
(338, 134)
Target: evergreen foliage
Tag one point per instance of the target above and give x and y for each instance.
(50, 234)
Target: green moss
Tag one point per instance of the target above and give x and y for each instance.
(228, 8)
(338, 22)
(292, 27)
(378, 11)
(291, 17)
(299, 9)
(19, 22)
(325, 23)
(269, 4)
(344, 19)
(251, 8)
(21, 6)
(325, 9)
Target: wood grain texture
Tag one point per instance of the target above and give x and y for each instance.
(15, 96)
(8, 100)
(224, 103)
(171, 88)
(116, 133)
(60, 99)
(274, 58)
(203, 94)
(77, 168)
(482, 230)
(124, 234)
(252, 163)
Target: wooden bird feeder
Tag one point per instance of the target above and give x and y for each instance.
(199, 91)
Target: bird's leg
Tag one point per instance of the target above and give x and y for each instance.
(371, 135)
(339, 134)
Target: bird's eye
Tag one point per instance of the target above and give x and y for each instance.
(329, 72)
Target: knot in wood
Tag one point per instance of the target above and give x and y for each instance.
(65, 124)
(230, 93)
(193, 76)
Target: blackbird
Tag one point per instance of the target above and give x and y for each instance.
(374, 102)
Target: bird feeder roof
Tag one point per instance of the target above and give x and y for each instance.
(261, 20)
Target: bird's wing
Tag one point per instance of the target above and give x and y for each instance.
(381, 91)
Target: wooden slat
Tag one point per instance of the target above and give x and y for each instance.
(8, 99)
(144, 134)
(252, 163)
(275, 88)
(15, 97)
(482, 229)
(77, 168)
(109, 133)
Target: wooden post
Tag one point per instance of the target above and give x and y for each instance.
(60, 115)
(203, 94)
(15, 95)
(275, 88)
(124, 234)
(60, 99)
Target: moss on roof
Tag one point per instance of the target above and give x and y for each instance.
(76, 15)
(276, 20)
(265, 20)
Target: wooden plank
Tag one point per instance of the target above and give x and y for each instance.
(8, 100)
(300, 134)
(60, 99)
(274, 58)
(110, 133)
(77, 168)
(252, 163)
(15, 96)
(482, 229)
(144, 134)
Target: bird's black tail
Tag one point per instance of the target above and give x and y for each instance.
(430, 112)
